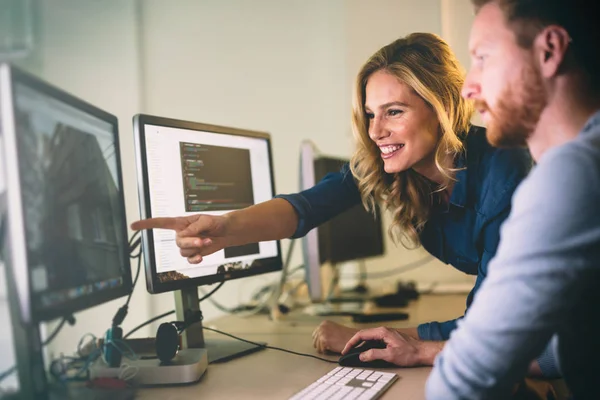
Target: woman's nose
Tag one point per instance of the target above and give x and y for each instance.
(377, 129)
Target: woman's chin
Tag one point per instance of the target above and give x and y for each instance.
(390, 168)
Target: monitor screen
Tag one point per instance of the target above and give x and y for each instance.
(188, 168)
(66, 228)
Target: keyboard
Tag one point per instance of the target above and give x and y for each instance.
(348, 384)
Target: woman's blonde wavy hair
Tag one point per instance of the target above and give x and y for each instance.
(424, 62)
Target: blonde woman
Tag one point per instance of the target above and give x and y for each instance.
(417, 153)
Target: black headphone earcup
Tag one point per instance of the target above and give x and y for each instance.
(167, 342)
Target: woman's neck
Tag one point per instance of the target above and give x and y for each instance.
(429, 170)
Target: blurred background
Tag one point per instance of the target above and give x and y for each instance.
(282, 66)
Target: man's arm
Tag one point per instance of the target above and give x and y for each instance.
(532, 283)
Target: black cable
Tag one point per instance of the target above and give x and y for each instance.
(121, 313)
(206, 296)
(133, 247)
(137, 328)
(137, 275)
(391, 272)
(266, 346)
(140, 326)
(134, 237)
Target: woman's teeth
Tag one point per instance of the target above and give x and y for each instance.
(391, 149)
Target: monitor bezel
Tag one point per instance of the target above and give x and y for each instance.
(16, 254)
(310, 242)
(153, 285)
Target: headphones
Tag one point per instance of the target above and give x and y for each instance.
(168, 340)
(168, 336)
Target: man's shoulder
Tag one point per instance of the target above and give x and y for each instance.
(566, 181)
(574, 165)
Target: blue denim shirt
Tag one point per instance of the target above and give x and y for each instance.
(465, 234)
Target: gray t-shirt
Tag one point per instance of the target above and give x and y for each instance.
(544, 282)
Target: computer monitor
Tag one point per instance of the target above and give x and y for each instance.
(355, 234)
(186, 168)
(64, 231)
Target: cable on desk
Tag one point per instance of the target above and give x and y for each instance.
(266, 346)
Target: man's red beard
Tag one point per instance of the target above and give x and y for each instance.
(517, 112)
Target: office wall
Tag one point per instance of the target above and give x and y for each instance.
(285, 67)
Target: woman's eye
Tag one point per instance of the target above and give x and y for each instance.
(394, 113)
(370, 115)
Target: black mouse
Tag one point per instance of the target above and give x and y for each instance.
(350, 359)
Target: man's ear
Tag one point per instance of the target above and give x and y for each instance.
(551, 46)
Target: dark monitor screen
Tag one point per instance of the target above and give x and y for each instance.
(186, 168)
(66, 233)
(352, 235)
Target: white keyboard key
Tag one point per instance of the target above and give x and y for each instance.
(373, 377)
(348, 384)
(335, 370)
(368, 395)
(354, 394)
(341, 394)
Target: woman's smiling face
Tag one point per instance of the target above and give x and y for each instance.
(401, 123)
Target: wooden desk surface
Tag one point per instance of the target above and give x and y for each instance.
(272, 374)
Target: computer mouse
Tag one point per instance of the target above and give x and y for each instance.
(351, 358)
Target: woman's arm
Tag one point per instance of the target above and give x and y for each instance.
(334, 194)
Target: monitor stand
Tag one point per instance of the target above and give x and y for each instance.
(337, 303)
(219, 350)
(334, 304)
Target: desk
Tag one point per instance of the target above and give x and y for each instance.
(272, 374)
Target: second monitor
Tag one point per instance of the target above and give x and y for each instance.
(355, 234)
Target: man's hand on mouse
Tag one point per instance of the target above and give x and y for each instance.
(401, 348)
(331, 337)
(196, 235)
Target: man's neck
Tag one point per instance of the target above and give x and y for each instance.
(563, 118)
